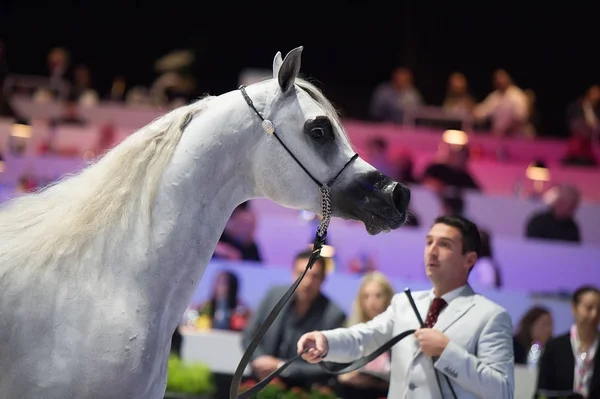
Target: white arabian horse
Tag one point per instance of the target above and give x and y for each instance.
(96, 270)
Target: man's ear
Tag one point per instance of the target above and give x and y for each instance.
(470, 260)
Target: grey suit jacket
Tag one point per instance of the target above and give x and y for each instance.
(479, 359)
(326, 315)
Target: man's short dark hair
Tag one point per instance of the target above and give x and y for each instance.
(306, 254)
(471, 240)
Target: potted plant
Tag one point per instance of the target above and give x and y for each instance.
(188, 380)
(295, 393)
(322, 392)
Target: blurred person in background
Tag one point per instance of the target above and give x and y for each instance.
(450, 169)
(392, 99)
(570, 364)
(224, 308)
(237, 242)
(557, 222)
(308, 309)
(458, 99)
(82, 90)
(507, 107)
(534, 327)
(372, 381)
(586, 110)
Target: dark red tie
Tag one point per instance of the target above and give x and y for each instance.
(434, 311)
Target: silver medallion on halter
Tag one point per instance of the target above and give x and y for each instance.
(268, 126)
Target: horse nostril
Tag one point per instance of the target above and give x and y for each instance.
(401, 197)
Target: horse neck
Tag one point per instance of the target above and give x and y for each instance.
(209, 175)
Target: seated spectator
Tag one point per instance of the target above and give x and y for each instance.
(224, 308)
(450, 170)
(82, 91)
(507, 107)
(372, 381)
(237, 241)
(586, 111)
(309, 309)
(557, 223)
(458, 99)
(570, 364)
(534, 327)
(580, 150)
(391, 100)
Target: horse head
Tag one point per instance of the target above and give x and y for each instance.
(304, 146)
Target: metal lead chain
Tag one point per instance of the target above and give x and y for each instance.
(325, 210)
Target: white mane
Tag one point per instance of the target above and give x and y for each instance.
(59, 220)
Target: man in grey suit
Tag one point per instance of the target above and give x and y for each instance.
(309, 309)
(467, 344)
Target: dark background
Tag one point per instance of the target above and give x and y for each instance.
(349, 47)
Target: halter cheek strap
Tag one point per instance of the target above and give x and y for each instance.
(270, 129)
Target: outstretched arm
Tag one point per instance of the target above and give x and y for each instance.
(348, 344)
(490, 374)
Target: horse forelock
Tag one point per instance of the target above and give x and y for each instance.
(101, 199)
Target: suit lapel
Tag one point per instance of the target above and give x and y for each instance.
(454, 311)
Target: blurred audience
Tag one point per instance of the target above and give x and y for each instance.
(449, 170)
(585, 113)
(237, 241)
(392, 99)
(82, 90)
(570, 364)
(535, 327)
(225, 309)
(308, 310)
(506, 107)
(372, 381)
(558, 222)
(458, 99)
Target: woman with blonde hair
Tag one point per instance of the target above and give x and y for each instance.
(373, 298)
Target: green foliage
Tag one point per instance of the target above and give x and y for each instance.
(192, 378)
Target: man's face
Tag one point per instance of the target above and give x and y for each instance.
(501, 80)
(310, 286)
(444, 260)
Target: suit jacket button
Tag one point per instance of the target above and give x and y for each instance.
(411, 386)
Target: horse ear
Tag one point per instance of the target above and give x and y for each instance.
(277, 61)
(289, 69)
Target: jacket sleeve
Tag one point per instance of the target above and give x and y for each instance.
(349, 344)
(490, 374)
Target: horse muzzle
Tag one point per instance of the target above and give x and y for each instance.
(373, 198)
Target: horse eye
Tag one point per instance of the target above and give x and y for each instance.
(317, 133)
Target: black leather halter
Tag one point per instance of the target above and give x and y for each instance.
(317, 246)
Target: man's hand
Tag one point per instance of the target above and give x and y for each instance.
(432, 342)
(264, 365)
(316, 345)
